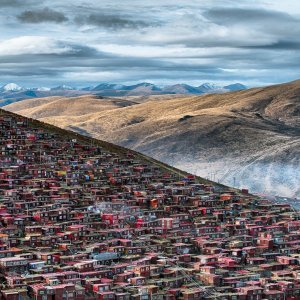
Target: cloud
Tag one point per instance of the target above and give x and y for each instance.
(8, 3)
(246, 15)
(110, 21)
(278, 45)
(230, 28)
(42, 16)
(172, 40)
(264, 29)
(32, 45)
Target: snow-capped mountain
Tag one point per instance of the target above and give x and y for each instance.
(63, 88)
(11, 87)
(210, 87)
(43, 89)
(111, 89)
(181, 89)
(108, 86)
(12, 92)
(143, 85)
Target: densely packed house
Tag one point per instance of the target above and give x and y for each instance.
(79, 222)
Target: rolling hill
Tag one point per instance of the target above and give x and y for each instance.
(248, 138)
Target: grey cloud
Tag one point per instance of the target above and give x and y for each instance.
(81, 51)
(93, 61)
(275, 30)
(88, 60)
(41, 16)
(242, 28)
(76, 55)
(279, 45)
(242, 15)
(110, 21)
(10, 3)
(244, 43)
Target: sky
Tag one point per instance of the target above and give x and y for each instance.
(83, 42)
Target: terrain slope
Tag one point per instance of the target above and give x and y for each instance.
(248, 138)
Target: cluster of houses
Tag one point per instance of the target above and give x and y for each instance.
(80, 222)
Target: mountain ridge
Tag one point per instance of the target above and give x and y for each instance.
(12, 92)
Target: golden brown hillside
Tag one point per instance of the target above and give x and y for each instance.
(247, 138)
(62, 106)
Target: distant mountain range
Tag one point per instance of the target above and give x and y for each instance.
(11, 92)
(146, 88)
